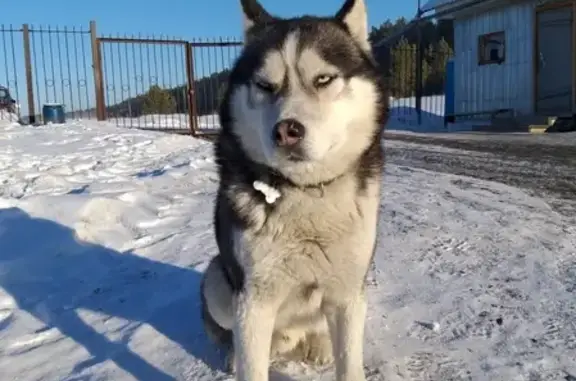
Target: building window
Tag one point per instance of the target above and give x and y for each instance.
(491, 48)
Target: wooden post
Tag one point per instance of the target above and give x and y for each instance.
(419, 66)
(535, 60)
(98, 79)
(191, 92)
(29, 79)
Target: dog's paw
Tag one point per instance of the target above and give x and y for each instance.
(283, 343)
(316, 350)
(230, 361)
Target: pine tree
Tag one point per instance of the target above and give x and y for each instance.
(426, 71)
(438, 56)
(404, 70)
(221, 92)
(158, 101)
(443, 53)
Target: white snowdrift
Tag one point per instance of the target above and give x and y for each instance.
(8, 119)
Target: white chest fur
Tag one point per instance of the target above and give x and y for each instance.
(313, 235)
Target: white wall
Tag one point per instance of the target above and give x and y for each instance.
(488, 87)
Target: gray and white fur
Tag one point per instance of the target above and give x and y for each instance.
(303, 113)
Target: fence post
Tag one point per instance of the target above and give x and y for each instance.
(191, 94)
(419, 68)
(29, 79)
(573, 108)
(98, 80)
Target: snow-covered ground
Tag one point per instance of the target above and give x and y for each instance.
(403, 117)
(7, 118)
(168, 121)
(403, 114)
(104, 233)
(554, 139)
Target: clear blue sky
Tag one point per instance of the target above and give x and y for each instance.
(178, 18)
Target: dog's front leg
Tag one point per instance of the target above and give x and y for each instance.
(254, 325)
(346, 322)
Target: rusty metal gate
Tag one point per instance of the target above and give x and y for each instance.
(145, 83)
(161, 84)
(212, 61)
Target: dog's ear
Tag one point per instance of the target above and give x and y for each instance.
(353, 15)
(254, 14)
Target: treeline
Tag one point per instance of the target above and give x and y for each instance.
(394, 48)
(402, 75)
(208, 91)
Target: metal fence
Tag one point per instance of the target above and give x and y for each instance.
(58, 70)
(416, 81)
(162, 83)
(147, 82)
(44, 65)
(213, 60)
(12, 59)
(170, 84)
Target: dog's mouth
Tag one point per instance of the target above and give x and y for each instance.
(299, 154)
(296, 157)
(294, 154)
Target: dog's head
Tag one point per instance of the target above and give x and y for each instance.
(304, 95)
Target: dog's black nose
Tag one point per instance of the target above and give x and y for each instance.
(288, 132)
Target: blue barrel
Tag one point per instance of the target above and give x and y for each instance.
(449, 92)
(53, 113)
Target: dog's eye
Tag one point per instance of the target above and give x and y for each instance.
(323, 80)
(264, 86)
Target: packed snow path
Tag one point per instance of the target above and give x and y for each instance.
(104, 233)
(544, 165)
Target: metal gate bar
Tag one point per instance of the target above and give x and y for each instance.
(147, 83)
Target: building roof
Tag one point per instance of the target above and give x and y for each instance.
(446, 6)
(435, 4)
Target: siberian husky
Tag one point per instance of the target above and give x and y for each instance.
(300, 168)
